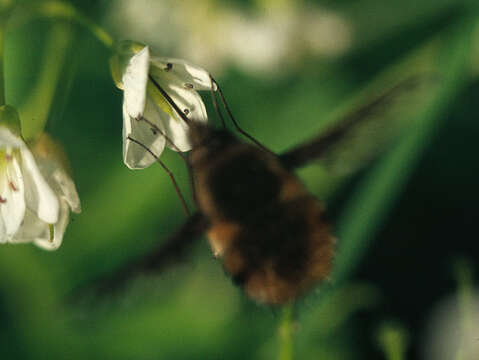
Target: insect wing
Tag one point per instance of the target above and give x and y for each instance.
(362, 133)
(166, 254)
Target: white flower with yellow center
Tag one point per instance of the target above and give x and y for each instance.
(52, 165)
(148, 82)
(36, 192)
(22, 187)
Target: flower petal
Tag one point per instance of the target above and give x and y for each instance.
(32, 228)
(8, 139)
(60, 181)
(65, 188)
(135, 156)
(58, 230)
(12, 210)
(181, 73)
(39, 196)
(135, 80)
(189, 101)
(177, 132)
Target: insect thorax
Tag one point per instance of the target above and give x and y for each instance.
(235, 180)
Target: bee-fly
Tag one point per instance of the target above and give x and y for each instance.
(258, 216)
(262, 222)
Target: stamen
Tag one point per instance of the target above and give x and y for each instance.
(12, 186)
(188, 86)
(168, 67)
(51, 229)
(2, 200)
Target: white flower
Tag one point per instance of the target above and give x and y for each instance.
(36, 193)
(23, 189)
(45, 234)
(141, 81)
(269, 40)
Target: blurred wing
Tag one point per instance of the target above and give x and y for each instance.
(362, 133)
(165, 255)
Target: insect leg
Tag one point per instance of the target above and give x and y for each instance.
(233, 120)
(180, 153)
(169, 100)
(170, 174)
(156, 129)
(214, 88)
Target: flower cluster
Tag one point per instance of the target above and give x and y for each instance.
(36, 193)
(270, 39)
(36, 190)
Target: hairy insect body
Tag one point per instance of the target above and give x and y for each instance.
(266, 227)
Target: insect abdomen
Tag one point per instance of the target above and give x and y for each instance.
(283, 254)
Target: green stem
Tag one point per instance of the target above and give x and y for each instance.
(55, 9)
(286, 330)
(2, 74)
(36, 108)
(393, 340)
(97, 31)
(5, 11)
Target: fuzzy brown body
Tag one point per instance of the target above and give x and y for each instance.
(266, 227)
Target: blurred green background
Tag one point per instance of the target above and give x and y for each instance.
(406, 225)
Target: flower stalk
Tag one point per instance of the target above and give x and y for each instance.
(55, 9)
(393, 340)
(2, 76)
(286, 330)
(35, 111)
(2, 50)
(5, 11)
